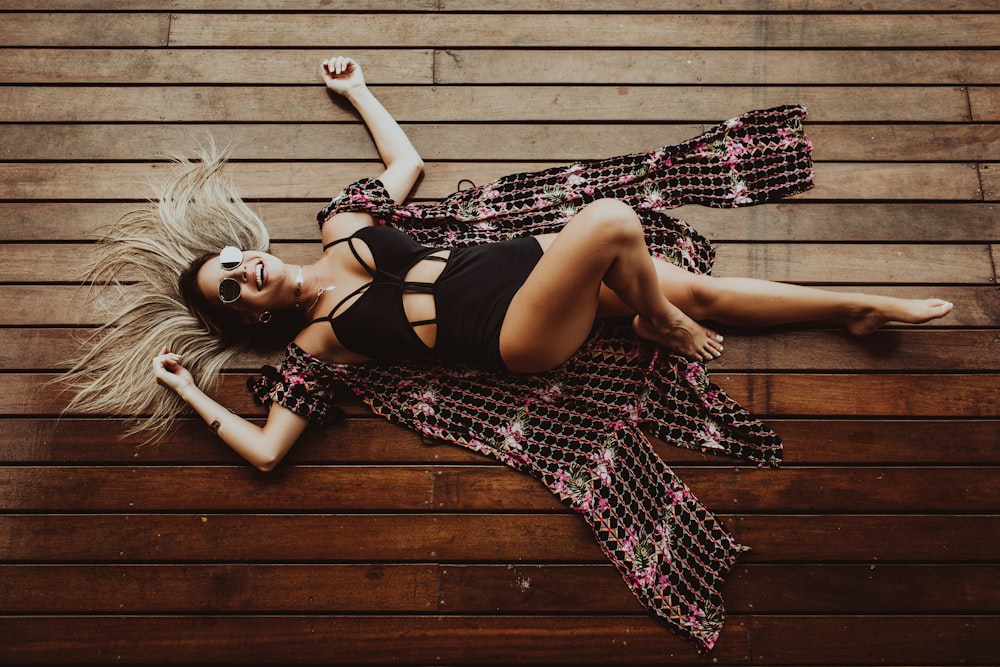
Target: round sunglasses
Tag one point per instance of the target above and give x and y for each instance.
(230, 258)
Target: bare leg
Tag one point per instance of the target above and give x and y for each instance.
(749, 302)
(553, 312)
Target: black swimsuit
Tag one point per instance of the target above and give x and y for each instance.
(471, 297)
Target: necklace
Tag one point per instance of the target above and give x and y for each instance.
(319, 293)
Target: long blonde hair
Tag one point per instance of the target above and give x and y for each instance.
(134, 288)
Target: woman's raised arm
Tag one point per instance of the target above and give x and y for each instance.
(403, 165)
(264, 447)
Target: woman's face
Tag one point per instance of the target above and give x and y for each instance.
(254, 285)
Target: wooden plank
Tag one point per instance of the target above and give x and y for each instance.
(898, 640)
(789, 221)
(27, 348)
(319, 182)
(985, 104)
(867, 538)
(215, 66)
(593, 30)
(487, 104)
(756, 589)
(487, 66)
(104, 29)
(990, 176)
(500, 538)
(477, 489)
(844, 221)
(610, 6)
(763, 394)
(285, 587)
(873, 263)
(857, 6)
(798, 262)
(478, 589)
(713, 66)
(865, 395)
(371, 440)
(897, 182)
(396, 639)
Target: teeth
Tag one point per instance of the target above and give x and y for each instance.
(260, 276)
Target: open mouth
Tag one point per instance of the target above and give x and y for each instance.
(259, 274)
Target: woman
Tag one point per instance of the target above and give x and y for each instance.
(597, 266)
(513, 348)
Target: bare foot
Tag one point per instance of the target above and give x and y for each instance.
(685, 337)
(888, 309)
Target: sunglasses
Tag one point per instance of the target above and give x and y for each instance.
(230, 258)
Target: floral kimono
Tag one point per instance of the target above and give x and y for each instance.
(581, 428)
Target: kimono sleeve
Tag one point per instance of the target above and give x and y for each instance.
(366, 195)
(302, 383)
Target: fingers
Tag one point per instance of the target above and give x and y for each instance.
(167, 360)
(336, 67)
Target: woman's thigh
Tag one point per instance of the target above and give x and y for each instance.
(553, 312)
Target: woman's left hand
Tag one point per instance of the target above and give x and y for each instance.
(169, 372)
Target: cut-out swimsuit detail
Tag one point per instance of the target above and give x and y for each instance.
(375, 325)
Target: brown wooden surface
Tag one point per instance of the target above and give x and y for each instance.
(878, 542)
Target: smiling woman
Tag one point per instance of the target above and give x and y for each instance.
(544, 319)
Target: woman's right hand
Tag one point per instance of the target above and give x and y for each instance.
(169, 372)
(342, 75)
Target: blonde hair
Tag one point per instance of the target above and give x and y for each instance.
(135, 290)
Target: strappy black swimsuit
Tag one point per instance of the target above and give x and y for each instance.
(471, 297)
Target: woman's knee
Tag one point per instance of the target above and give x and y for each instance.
(613, 219)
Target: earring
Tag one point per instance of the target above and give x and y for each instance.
(264, 317)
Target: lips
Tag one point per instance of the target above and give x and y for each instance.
(259, 275)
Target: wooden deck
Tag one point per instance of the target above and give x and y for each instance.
(878, 542)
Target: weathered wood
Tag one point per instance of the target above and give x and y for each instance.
(599, 640)
(985, 104)
(488, 66)
(713, 66)
(623, 104)
(740, 6)
(782, 222)
(105, 29)
(454, 588)
(901, 640)
(216, 66)
(476, 489)
(797, 263)
(990, 176)
(876, 543)
(374, 441)
(592, 30)
(758, 589)
(130, 589)
(416, 538)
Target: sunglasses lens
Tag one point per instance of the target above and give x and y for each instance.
(230, 257)
(229, 290)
